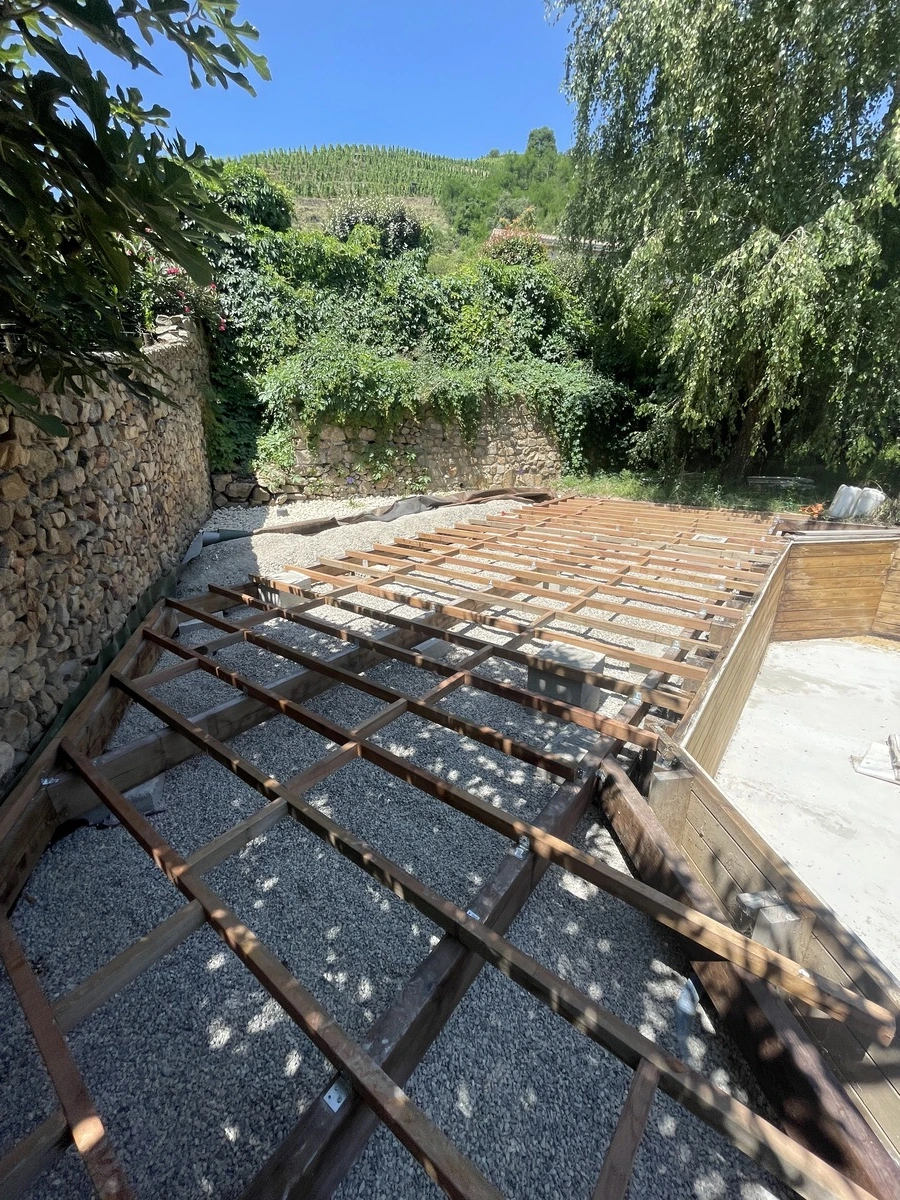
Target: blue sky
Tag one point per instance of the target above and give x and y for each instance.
(454, 77)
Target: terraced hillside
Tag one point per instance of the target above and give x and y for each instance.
(333, 171)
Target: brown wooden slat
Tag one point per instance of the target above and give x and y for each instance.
(615, 1174)
(85, 1125)
(440, 1158)
(36, 1153)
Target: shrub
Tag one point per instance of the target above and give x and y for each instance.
(517, 247)
(399, 228)
(251, 196)
(330, 382)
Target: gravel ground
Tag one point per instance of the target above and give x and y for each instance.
(200, 1075)
(232, 562)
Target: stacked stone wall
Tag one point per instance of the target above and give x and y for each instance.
(510, 449)
(88, 522)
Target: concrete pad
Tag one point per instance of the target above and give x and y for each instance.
(569, 691)
(788, 770)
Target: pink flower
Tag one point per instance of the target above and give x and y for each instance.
(173, 271)
(186, 309)
(221, 324)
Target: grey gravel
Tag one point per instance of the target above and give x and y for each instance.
(200, 1075)
(231, 562)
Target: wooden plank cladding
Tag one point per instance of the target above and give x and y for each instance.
(731, 858)
(887, 615)
(707, 727)
(835, 589)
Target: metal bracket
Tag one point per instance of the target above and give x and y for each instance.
(338, 1094)
(523, 847)
(470, 912)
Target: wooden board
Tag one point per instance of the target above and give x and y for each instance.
(833, 589)
(887, 615)
(707, 726)
(730, 857)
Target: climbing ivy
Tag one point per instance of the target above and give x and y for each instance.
(353, 328)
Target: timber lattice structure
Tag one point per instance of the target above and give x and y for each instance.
(662, 599)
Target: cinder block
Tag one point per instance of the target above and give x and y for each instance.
(571, 745)
(569, 691)
(669, 796)
(271, 595)
(775, 924)
(435, 647)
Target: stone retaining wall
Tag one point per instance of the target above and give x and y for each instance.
(510, 449)
(88, 523)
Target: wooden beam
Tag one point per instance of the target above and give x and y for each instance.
(81, 1116)
(615, 1174)
(36, 1153)
(441, 1160)
(805, 1095)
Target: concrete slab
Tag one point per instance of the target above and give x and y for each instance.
(788, 770)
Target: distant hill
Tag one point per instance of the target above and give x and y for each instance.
(335, 171)
(468, 195)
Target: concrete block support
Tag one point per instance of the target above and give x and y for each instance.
(271, 595)
(569, 691)
(775, 924)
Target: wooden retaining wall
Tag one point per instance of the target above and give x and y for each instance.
(834, 589)
(730, 857)
(708, 724)
(887, 615)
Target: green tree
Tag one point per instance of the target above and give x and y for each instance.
(740, 159)
(86, 167)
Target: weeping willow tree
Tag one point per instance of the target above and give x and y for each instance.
(740, 160)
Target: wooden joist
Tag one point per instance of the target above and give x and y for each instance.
(721, 941)
(82, 1118)
(778, 1153)
(615, 1174)
(581, 573)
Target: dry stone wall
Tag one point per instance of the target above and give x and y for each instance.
(510, 449)
(88, 522)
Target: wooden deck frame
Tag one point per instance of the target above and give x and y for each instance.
(468, 942)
